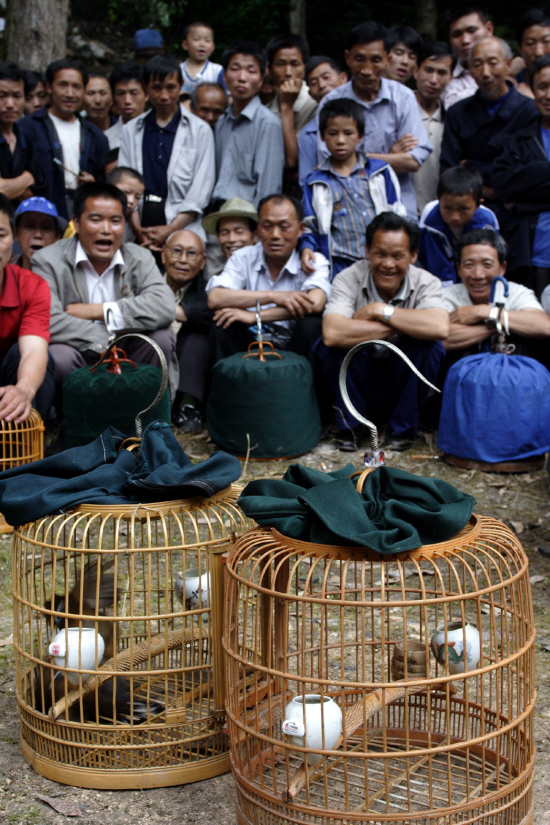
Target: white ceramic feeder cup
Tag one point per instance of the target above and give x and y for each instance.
(76, 648)
(453, 641)
(310, 734)
(193, 587)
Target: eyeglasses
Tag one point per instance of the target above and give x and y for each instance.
(176, 252)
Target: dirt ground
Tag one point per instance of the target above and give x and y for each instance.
(521, 501)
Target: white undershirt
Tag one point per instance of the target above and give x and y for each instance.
(101, 288)
(68, 132)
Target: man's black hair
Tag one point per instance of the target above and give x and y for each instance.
(366, 33)
(106, 191)
(458, 10)
(160, 67)
(111, 156)
(438, 50)
(125, 72)
(533, 17)
(342, 107)
(11, 71)
(7, 209)
(32, 79)
(278, 198)
(97, 73)
(249, 49)
(318, 60)
(539, 64)
(483, 236)
(287, 41)
(404, 34)
(207, 83)
(118, 172)
(461, 180)
(65, 63)
(391, 222)
(195, 25)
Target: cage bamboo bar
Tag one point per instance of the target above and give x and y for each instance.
(420, 743)
(148, 709)
(20, 444)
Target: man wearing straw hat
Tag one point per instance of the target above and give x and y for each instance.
(234, 226)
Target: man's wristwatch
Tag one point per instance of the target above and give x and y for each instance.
(387, 313)
(491, 321)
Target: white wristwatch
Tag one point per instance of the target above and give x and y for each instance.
(388, 312)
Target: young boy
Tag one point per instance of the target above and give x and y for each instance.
(133, 185)
(346, 192)
(443, 222)
(198, 42)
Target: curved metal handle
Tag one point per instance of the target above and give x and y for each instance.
(504, 282)
(344, 390)
(163, 366)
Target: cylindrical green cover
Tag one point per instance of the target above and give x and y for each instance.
(273, 402)
(93, 401)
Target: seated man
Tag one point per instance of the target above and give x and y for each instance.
(384, 297)
(269, 272)
(183, 258)
(100, 285)
(26, 372)
(37, 225)
(234, 226)
(481, 257)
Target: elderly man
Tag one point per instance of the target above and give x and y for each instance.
(209, 102)
(476, 128)
(481, 257)
(270, 272)
(183, 258)
(384, 297)
(101, 285)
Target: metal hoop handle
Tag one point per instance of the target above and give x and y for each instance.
(344, 390)
(163, 366)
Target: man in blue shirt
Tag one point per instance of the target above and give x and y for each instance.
(394, 131)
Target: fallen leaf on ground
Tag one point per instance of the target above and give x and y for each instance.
(67, 807)
(517, 526)
(536, 579)
(7, 641)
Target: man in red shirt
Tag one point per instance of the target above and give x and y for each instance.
(26, 370)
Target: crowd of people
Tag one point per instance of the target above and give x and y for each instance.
(373, 199)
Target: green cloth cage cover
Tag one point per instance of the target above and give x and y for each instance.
(273, 402)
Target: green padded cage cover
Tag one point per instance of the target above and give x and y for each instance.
(273, 401)
(93, 401)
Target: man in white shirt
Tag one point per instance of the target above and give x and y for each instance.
(100, 285)
(468, 22)
(292, 301)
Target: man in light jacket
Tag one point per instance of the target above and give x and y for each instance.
(100, 285)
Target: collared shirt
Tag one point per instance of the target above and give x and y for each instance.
(352, 210)
(519, 297)
(157, 148)
(114, 134)
(354, 288)
(304, 107)
(307, 151)
(24, 307)
(250, 154)
(69, 133)
(101, 288)
(425, 180)
(462, 85)
(247, 269)
(392, 114)
(210, 73)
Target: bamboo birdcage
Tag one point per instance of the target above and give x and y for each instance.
(20, 444)
(420, 743)
(151, 712)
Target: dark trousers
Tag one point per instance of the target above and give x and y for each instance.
(44, 397)
(68, 358)
(383, 389)
(237, 337)
(192, 352)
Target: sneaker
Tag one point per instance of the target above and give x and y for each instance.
(188, 420)
(397, 443)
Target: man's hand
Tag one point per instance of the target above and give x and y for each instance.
(84, 177)
(227, 315)
(15, 403)
(180, 314)
(308, 261)
(405, 144)
(289, 91)
(88, 312)
(154, 237)
(296, 303)
(371, 312)
(477, 314)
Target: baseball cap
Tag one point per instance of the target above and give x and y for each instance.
(148, 39)
(43, 206)
(232, 208)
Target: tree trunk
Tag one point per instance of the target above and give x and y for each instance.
(36, 31)
(426, 19)
(298, 17)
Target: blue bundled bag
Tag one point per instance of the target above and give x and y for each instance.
(495, 407)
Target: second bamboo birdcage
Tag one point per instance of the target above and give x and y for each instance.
(20, 444)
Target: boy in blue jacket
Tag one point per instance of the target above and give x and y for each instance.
(443, 222)
(346, 191)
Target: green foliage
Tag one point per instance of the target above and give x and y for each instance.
(141, 14)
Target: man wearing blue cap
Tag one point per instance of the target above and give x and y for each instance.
(37, 225)
(147, 44)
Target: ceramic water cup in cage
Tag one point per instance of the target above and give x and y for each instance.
(313, 721)
(193, 588)
(77, 648)
(460, 642)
